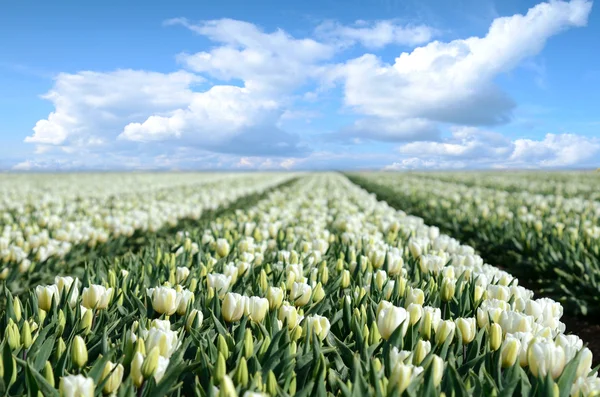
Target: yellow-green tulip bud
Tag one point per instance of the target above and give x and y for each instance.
(478, 293)
(62, 321)
(193, 284)
(112, 278)
(421, 351)
(324, 276)
(318, 293)
(293, 348)
(42, 315)
(85, 324)
(48, 373)
(511, 348)
(13, 335)
(374, 335)
(194, 320)
(292, 386)
(445, 330)
(263, 280)
(438, 370)
(275, 297)
(241, 373)
(26, 338)
(17, 308)
(377, 365)
(345, 278)
(248, 344)
(113, 373)
(140, 346)
(61, 347)
(220, 368)
(448, 289)
(79, 353)
(150, 363)
(271, 383)
(495, 335)
(264, 346)
(227, 388)
(222, 346)
(136, 369)
(468, 329)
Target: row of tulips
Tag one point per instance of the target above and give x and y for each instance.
(550, 242)
(319, 289)
(566, 184)
(40, 221)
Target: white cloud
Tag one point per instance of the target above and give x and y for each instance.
(375, 35)
(454, 82)
(556, 150)
(469, 147)
(92, 105)
(268, 63)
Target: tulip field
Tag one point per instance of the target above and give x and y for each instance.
(297, 284)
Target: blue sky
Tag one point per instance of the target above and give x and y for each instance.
(376, 84)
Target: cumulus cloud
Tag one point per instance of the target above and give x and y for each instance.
(268, 63)
(376, 34)
(453, 82)
(470, 147)
(556, 150)
(90, 105)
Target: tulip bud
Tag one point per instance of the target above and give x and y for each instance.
(222, 346)
(324, 277)
(264, 346)
(467, 328)
(263, 281)
(445, 331)
(222, 248)
(292, 387)
(448, 288)
(194, 284)
(275, 297)
(421, 351)
(241, 373)
(150, 363)
(438, 370)
(114, 375)
(495, 335)
(12, 335)
(17, 308)
(318, 293)
(220, 368)
(478, 293)
(248, 344)
(140, 346)
(271, 383)
(194, 320)
(374, 335)
(510, 351)
(26, 338)
(85, 324)
(400, 378)
(227, 388)
(79, 353)
(48, 373)
(62, 321)
(42, 315)
(61, 347)
(345, 278)
(136, 369)
(416, 312)
(293, 348)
